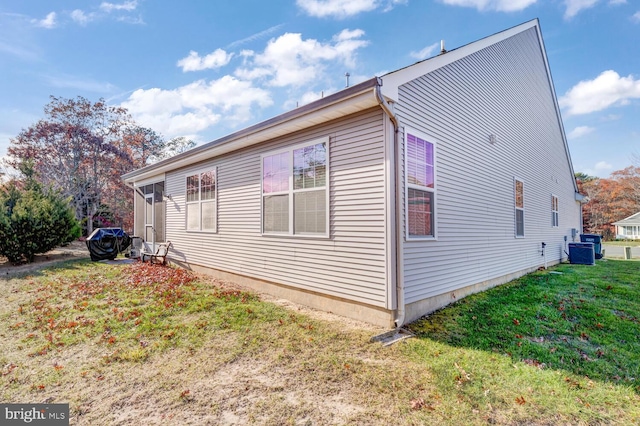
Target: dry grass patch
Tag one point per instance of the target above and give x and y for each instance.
(146, 344)
(150, 345)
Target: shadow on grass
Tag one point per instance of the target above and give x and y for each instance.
(38, 269)
(581, 319)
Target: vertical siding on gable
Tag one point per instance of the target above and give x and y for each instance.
(351, 264)
(501, 90)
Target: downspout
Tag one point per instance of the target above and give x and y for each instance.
(397, 200)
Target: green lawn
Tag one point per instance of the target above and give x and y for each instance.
(144, 344)
(630, 243)
(581, 319)
(578, 323)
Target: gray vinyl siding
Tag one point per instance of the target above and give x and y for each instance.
(351, 263)
(502, 90)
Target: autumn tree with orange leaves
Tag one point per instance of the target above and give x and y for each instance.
(82, 149)
(610, 200)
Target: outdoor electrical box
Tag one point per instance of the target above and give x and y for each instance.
(582, 254)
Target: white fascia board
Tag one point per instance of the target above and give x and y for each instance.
(395, 79)
(557, 108)
(149, 180)
(358, 102)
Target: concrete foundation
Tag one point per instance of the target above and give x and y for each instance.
(347, 308)
(350, 309)
(424, 307)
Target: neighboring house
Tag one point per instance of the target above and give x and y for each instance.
(388, 199)
(629, 228)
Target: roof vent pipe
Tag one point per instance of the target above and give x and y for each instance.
(442, 49)
(347, 75)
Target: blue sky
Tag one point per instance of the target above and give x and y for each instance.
(204, 69)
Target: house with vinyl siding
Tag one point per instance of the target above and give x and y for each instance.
(387, 200)
(628, 228)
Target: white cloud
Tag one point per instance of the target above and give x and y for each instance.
(606, 90)
(603, 165)
(196, 106)
(611, 117)
(48, 22)
(252, 73)
(497, 5)
(344, 8)
(636, 17)
(127, 6)
(307, 98)
(425, 53)
(81, 18)
(291, 61)
(137, 20)
(575, 6)
(616, 2)
(74, 82)
(311, 96)
(255, 36)
(392, 3)
(347, 35)
(580, 131)
(194, 62)
(303, 66)
(22, 52)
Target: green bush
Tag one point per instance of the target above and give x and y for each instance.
(34, 221)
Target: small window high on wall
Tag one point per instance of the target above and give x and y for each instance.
(519, 207)
(555, 216)
(201, 201)
(421, 188)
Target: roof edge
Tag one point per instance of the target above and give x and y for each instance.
(633, 216)
(306, 109)
(394, 79)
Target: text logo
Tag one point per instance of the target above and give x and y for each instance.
(34, 414)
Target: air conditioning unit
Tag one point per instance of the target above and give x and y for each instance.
(582, 254)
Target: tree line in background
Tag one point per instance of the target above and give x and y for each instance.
(78, 153)
(70, 165)
(610, 200)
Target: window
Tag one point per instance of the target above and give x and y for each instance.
(420, 166)
(294, 190)
(201, 201)
(554, 212)
(519, 207)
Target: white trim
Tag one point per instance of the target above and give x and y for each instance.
(149, 180)
(291, 191)
(555, 214)
(391, 248)
(395, 79)
(424, 136)
(153, 224)
(515, 208)
(349, 103)
(199, 172)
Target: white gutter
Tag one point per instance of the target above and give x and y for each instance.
(397, 199)
(347, 101)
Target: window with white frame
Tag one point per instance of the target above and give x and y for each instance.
(294, 190)
(421, 191)
(555, 217)
(519, 207)
(201, 201)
